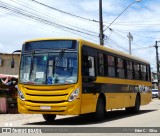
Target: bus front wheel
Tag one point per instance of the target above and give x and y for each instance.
(49, 117)
(100, 109)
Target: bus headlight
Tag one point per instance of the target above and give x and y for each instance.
(21, 95)
(74, 95)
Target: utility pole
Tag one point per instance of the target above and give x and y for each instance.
(130, 37)
(157, 58)
(101, 35)
(157, 61)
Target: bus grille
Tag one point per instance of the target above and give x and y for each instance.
(45, 101)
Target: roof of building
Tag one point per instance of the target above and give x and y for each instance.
(2, 53)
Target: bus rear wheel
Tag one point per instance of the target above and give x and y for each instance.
(100, 110)
(136, 108)
(49, 117)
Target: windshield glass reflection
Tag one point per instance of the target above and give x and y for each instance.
(50, 69)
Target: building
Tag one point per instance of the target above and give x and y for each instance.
(5, 64)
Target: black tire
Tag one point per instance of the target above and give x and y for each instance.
(137, 104)
(136, 108)
(100, 110)
(49, 117)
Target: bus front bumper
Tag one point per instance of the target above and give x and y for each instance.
(64, 108)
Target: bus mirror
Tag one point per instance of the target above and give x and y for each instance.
(12, 63)
(12, 60)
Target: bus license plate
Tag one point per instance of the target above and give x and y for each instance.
(45, 107)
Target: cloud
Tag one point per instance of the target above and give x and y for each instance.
(139, 19)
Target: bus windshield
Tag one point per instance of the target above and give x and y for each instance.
(49, 68)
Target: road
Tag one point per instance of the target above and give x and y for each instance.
(149, 116)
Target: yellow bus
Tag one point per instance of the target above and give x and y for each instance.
(68, 76)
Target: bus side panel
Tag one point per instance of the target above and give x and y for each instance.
(146, 98)
(88, 104)
(119, 100)
(133, 99)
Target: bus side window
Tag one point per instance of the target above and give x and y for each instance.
(101, 64)
(88, 66)
(92, 66)
(120, 68)
(143, 72)
(111, 66)
(85, 68)
(148, 74)
(136, 71)
(129, 69)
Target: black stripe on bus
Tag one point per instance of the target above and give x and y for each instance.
(114, 88)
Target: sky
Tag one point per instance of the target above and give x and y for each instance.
(30, 19)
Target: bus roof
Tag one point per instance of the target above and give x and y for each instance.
(47, 39)
(94, 45)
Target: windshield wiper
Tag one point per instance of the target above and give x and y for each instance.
(59, 57)
(31, 67)
(56, 61)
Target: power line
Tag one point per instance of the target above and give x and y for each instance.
(125, 39)
(38, 25)
(50, 16)
(135, 25)
(37, 18)
(122, 37)
(137, 21)
(119, 46)
(109, 36)
(120, 14)
(135, 34)
(64, 12)
(143, 48)
(144, 31)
